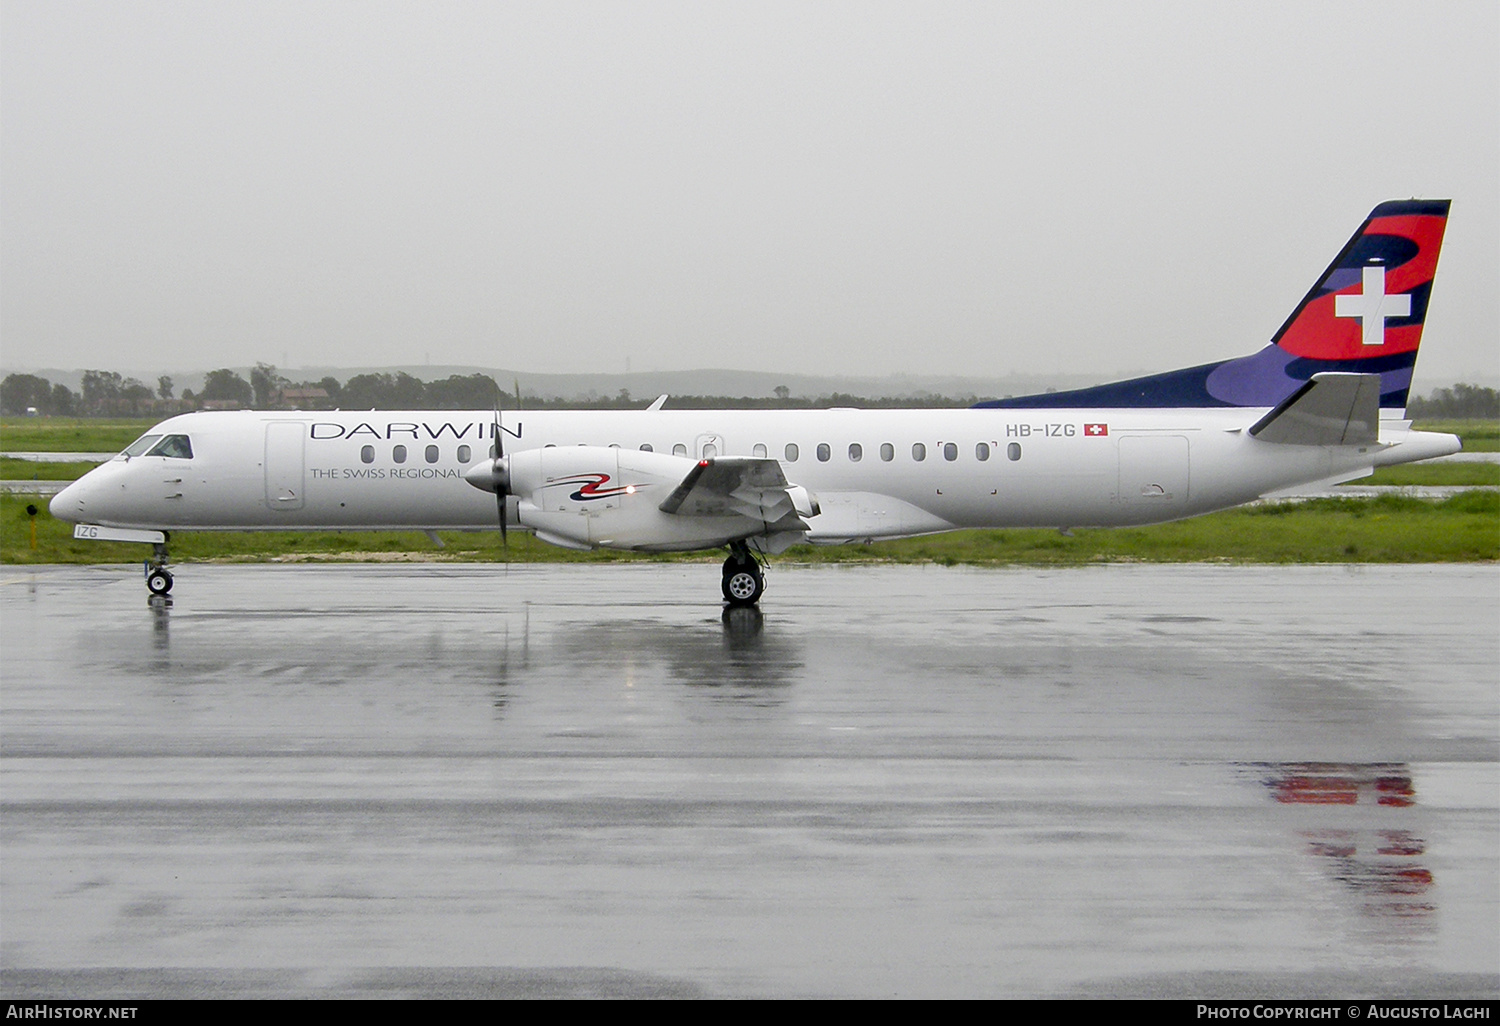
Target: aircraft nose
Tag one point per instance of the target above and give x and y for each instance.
(67, 505)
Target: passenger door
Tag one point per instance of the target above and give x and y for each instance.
(285, 464)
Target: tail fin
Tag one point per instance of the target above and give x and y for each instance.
(1366, 313)
(1364, 316)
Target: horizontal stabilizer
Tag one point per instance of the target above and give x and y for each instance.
(1331, 409)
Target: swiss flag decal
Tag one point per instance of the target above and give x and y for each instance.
(1096, 429)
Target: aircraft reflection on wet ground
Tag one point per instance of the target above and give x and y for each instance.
(1378, 856)
(889, 780)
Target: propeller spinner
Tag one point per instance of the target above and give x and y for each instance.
(494, 476)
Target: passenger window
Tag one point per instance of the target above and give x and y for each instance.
(493, 450)
(982, 451)
(141, 445)
(367, 454)
(1013, 451)
(791, 452)
(918, 451)
(176, 446)
(759, 449)
(887, 451)
(856, 452)
(432, 454)
(399, 454)
(464, 452)
(679, 449)
(824, 452)
(950, 451)
(710, 450)
(646, 447)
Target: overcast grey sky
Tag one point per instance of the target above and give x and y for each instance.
(875, 187)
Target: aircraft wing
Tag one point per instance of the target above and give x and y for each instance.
(747, 486)
(1331, 409)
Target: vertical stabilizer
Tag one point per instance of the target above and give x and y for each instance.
(1364, 315)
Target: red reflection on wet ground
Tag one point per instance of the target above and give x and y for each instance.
(1380, 864)
(1341, 783)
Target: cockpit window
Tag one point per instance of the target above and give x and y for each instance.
(175, 446)
(141, 444)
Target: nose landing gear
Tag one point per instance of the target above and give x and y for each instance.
(158, 577)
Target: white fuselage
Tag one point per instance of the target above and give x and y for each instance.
(874, 473)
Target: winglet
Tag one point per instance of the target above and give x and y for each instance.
(1331, 409)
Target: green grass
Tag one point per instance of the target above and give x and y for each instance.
(32, 470)
(1464, 528)
(70, 434)
(1477, 435)
(1464, 475)
(1390, 528)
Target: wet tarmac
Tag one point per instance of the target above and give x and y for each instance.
(587, 780)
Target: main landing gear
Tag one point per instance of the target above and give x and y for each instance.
(158, 577)
(743, 577)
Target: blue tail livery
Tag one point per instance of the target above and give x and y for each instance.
(1364, 316)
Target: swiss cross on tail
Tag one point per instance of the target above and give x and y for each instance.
(1372, 300)
(1096, 429)
(1372, 307)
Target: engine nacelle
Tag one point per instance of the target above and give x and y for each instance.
(589, 496)
(804, 501)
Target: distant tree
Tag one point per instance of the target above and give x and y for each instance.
(408, 393)
(100, 389)
(331, 385)
(782, 392)
(1461, 402)
(266, 383)
(225, 385)
(64, 401)
(164, 387)
(187, 395)
(135, 396)
(18, 392)
(367, 392)
(459, 392)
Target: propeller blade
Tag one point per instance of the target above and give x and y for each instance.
(502, 488)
